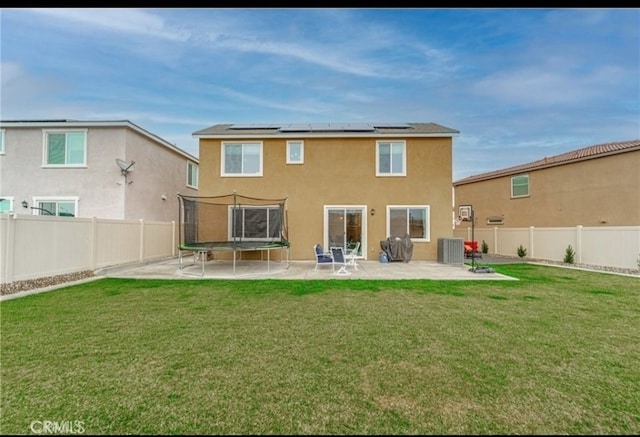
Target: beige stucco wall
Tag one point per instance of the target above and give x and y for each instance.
(341, 171)
(596, 192)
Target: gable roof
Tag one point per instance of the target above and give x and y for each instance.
(64, 123)
(590, 152)
(324, 130)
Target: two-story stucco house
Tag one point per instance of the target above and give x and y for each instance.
(598, 185)
(103, 169)
(344, 183)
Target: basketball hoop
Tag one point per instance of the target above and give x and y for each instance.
(458, 221)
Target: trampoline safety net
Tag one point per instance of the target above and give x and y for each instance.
(232, 221)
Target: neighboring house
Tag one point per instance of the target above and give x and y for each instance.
(103, 169)
(597, 185)
(344, 183)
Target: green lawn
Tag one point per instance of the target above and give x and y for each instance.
(557, 352)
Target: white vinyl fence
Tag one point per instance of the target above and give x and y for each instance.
(33, 246)
(606, 246)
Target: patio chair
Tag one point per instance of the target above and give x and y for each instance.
(339, 260)
(471, 250)
(351, 256)
(322, 257)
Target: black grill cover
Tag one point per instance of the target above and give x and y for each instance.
(398, 248)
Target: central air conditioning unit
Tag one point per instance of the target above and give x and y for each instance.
(450, 251)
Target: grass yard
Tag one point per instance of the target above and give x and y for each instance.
(557, 352)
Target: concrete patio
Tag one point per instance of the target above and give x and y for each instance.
(223, 269)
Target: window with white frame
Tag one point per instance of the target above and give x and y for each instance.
(391, 158)
(408, 219)
(6, 203)
(255, 222)
(1, 141)
(295, 152)
(66, 207)
(241, 159)
(65, 148)
(192, 175)
(520, 185)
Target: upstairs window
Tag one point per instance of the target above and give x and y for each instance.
(241, 159)
(65, 148)
(411, 219)
(391, 158)
(192, 175)
(295, 152)
(520, 186)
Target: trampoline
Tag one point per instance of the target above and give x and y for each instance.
(234, 224)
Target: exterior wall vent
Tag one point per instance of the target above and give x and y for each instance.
(495, 220)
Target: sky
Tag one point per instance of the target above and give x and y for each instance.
(518, 84)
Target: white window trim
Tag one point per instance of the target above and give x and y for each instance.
(528, 186)
(197, 170)
(404, 158)
(428, 218)
(239, 175)
(44, 148)
(36, 202)
(2, 142)
(364, 229)
(291, 161)
(11, 200)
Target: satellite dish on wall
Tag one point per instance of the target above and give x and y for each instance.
(125, 166)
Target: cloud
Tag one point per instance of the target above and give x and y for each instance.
(544, 86)
(121, 20)
(24, 92)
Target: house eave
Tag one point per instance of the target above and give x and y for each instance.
(99, 123)
(324, 135)
(523, 169)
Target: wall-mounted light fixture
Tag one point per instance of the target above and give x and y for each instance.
(25, 204)
(373, 211)
(163, 197)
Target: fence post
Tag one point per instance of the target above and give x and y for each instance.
(141, 240)
(531, 251)
(94, 244)
(578, 244)
(173, 238)
(9, 243)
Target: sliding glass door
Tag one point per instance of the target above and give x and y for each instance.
(344, 226)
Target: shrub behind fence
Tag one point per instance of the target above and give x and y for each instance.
(605, 246)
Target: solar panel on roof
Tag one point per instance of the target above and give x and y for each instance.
(392, 125)
(359, 127)
(254, 126)
(327, 127)
(295, 127)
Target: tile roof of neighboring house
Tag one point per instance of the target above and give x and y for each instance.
(324, 129)
(63, 123)
(591, 152)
